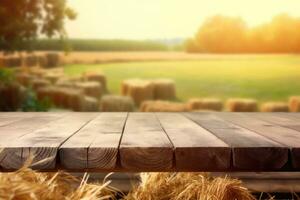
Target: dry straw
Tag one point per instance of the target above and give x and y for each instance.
(26, 184)
(209, 104)
(115, 103)
(294, 104)
(274, 107)
(98, 77)
(91, 88)
(187, 186)
(91, 104)
(241, 105)
(139, 90)
(162, 106)
(164, 89)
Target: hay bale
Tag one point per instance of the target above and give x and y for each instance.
(139, 90)
(10, 97)
(209, 104)
(98, 77)
(91, 104)
(52, 77)
(164, 89)
(162, 106)
(74, 99)
(241, 105)
(274, 107)
(39, 83)
(115, 103)
(50, 60)
(37, 72)
(41, 60)
(30, 60)
(90, 88)
(24, 79)
(294, 104)
(45, 93)
(12, 61)
(65, 82)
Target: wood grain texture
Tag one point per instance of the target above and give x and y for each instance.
(96, 145)
(11, 157)
(144, 145)
(195, 147)
(250, 151)
(42, 143)
(283, 135)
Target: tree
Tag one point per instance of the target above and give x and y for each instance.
(23, 21)
(219, 35)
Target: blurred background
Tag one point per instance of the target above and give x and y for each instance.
(139, 55)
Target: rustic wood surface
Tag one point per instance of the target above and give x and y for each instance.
(135, 142)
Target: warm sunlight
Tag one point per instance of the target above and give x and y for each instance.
(152, 19)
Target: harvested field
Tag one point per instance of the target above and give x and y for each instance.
(263, 77)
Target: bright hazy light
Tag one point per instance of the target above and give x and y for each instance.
(157, 19)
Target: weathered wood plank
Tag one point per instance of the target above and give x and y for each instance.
(42, 143)
(195, 147)
(277, 133)
(96, 145)
(251, 151)
(8, 118)
(18, 128)
(144, 145)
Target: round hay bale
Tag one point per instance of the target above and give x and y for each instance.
(294, 104)
(91, 104)
(30, 60)
(38, 83)
(241, 105)
(98, 77)
(211, 104)
(163, 106)
(164, 89)
(139, 90)
(274, 107)
(90, 88)
(115, 103)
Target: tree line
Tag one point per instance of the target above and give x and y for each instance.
(222, 34)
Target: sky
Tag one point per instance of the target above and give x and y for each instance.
(165, 19)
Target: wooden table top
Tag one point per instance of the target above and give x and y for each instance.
(135, 142)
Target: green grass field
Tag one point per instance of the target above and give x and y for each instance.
(266, 78)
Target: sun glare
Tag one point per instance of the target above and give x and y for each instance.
(151, 19)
